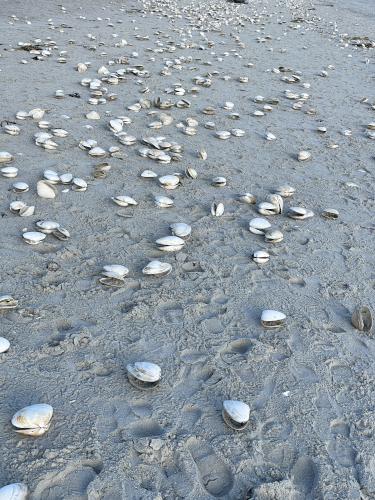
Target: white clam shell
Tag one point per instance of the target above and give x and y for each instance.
(266, 208)
(47, 226)
(238, 411)
(261, 256)
(21, 187)
(144, 371)
(157, 268)
(180, 229)
(9, 172)
(51, 176)
(169, 181)
(285, 191)
(223, 134)
(79, 184)
(45, 190)
(96, 151)
(5, 157)
(148, 174)
(116, 270)
(163, 201)
(304, 155)
(170, 243)
(219, 181)
(16, 206)
(258, 225)
(124, 201)
(217, 209)
(272, 319)
(4, 344)
(27, 211)
(33, 237)
(273, 236)
(8, 302)
(15, 491)
(33, 420)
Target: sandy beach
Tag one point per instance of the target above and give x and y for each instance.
(283, 79)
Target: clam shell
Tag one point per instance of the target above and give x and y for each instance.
(330, 213)
(7, 302)
(15, 491)
(115, 270)
(277, 201)
(272, 319)
(20, 187)
(47, 226)
(45, 190)
(143, 374)
(112, 281)
(33, 237)
(217, 209)
(169, 181)
(258, 225)
(304, 155)
(163, 201)
(4, 346)
(266, 208)
(66, 178)
(124, 201)
(61, 233)
(299, 213)
(9, 172)
(157, 268)
(285, 191)
(27, 211)
(362, 319)
(5, 157)
(191, 173)
(248, 198)
(97, 152)
(170, 243)
(223, 134)
(273, 236)
(236, 414)
(148, 174)
(79, 184)
(51, 176)
(261, 256)
(33, 420)
(219, 181)
(180, 229)
(16, 206)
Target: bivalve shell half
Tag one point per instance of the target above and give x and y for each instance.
(45, 190)
(236, 414)
(20, 187)
(170, 243)
(272, 319)
(362, 319)
(219, 181)
(261, 256)
(33, 237)
(148, 174)
(15, 491)
(191, 173)
(217, 209)
(180, 229)
(299, 213)
(157, 268)
(248, 198)
(4, 346)
(79, 184)
(115, 270)
(259, 225)
(33, 420)
(304, 155)
(47, 226)
(143, 374)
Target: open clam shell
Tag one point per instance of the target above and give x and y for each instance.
(47, 226)
(259, 225)
(157, 268)
(236, 414)
(170, 243)
(217, 209)
(163, 201)
(143, 374)
(7, 302)
(273, 236)
(285, 191)
(15, 491)
(272, 319)
(248, 198)
(261, 256)
(267, 208)
(362, 318)
(4, 346)
(169, 181)
(33, 237)
(124, 201)
(33, 420)
(330, 213)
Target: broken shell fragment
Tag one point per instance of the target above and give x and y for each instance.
(33, 237)
(45, 190)
(15, 491)
(362, 319)
(157, 268)
(217, 209)
(261, 256)
(33, 420)
(330, 213)
(7, 302)
(272, 319)
(143, 374)
(4, 346)
(180, 229)
(259, 225)
(170, 243)
(236, 414)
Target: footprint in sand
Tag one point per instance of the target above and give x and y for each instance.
(304, 475)
(214, 475)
